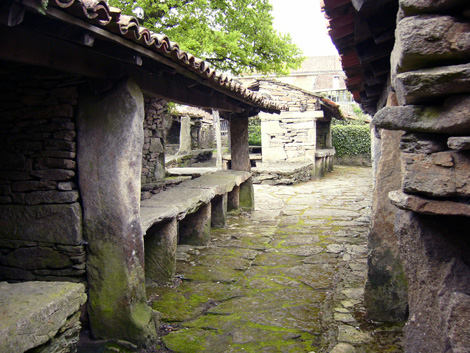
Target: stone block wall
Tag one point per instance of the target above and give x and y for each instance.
(431, 78)
(153, 152)
(40, 212)
(291, 136)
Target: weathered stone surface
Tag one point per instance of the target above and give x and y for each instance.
(418, 86)
(441, 174)
(239, 143)
(185, 135)
(422, 143)
(51, 163)
(451, 117)
(160, 252)
(185, 199)
(54, 174)
(436, 265)
(386, 288)
(52, 196)
(343, 348)
(110, 139)
(25, 326)
(413, 7)
(247, 196)
(219, 211)
(33, 185)
(35, 258)
(459, 143)
(60, 224)
(429, 40)
(195, 228)
(427, 206)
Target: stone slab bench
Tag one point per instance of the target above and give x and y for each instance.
(34, 314)
(184, 214)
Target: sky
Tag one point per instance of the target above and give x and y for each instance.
(306, 24)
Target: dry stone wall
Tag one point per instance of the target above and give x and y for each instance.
(430, 76)
(153, 151)
(40, 212)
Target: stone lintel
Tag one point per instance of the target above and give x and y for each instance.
(424, 205)
(34, 312)
(61, 224)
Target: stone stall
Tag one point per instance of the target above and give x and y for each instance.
(82, 100)
(300, 135)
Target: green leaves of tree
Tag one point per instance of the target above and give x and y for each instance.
(234, 36)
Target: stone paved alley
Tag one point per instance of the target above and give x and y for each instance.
(288, 277)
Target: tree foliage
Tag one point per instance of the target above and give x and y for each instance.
(234, 36)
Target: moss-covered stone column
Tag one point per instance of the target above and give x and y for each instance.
(110, 138)
(241, 158)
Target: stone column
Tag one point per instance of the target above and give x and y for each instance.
(185, 135)
(241, 158)
(110, 138)
(219, 211)
(233, 199)
(160, 252)
(195, 228)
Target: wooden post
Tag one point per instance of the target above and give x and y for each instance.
(218, 137)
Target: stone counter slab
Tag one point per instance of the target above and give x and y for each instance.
(31, 313)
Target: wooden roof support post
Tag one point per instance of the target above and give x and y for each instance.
(241, 157)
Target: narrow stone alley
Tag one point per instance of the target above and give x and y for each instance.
(288, 277)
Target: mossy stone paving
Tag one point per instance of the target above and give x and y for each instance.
(288, 277)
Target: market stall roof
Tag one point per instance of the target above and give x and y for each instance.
(93, 39)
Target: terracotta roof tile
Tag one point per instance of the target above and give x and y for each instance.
(111, 19)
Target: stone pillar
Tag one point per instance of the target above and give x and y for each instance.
(218, 138)
(241, 158)
(435, 251)
(110, 138)
(160, 252)
(195, 228)
(185, 135)
(233, 201)
(386, 287)
(246, 199)
(219, 211)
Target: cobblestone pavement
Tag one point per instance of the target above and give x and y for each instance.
(288, 277)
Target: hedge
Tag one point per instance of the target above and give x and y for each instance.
(351, 139)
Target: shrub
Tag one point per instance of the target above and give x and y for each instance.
(254, 131)
(351, 139)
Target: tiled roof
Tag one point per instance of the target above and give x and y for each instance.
(99, 13)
